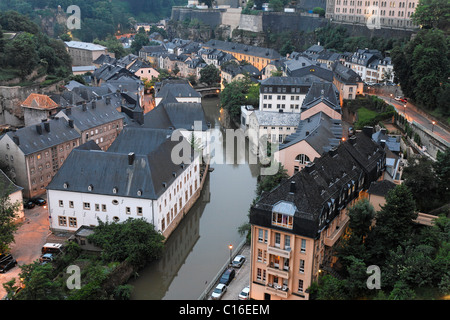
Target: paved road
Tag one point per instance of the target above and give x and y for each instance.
(412, 113)
(241, 280)
(29, 239)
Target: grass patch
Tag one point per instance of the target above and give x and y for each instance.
(365, 115)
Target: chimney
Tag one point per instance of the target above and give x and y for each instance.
(71, 123)
(94, 104)
(68, 111)
(39, 128)
(16, 140)
(383, 143)
(47, 126)
(131, 158)
(108, 100)
(368, 131)
(292, 187)
(84, 106)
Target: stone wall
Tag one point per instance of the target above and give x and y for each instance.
(284, 21)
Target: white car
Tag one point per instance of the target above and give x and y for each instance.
(219, 291)
(245, 293)
(238, 261)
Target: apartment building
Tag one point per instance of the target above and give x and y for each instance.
(257, 56)
(34, 154)
(373, 13)
(38, 107)
(96, 120)
(283, 93)
(370, 65)
(296, 225)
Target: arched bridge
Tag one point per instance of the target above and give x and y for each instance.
(208, 91)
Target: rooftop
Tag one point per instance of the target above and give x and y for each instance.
(39, 101)
(85, 46)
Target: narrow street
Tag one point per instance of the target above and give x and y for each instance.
(29, 239)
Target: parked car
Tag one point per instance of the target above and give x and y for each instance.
(245, 293)
(227, 276)
(238, 261)
(397, 98)
(404, 100)
(7, 262)
(46, 258)
(39, 201)
(219, 291)
(28, 204)
(54, 248)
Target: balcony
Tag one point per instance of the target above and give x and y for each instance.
(331, 239)
(279, 291)
(271, 269)
(284, 253)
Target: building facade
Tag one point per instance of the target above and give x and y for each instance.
(34, 154)
(374, 14)
(84, 53)
(295, 226)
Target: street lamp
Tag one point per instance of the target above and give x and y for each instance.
(432, 128)
(231, 248)
(405, 112)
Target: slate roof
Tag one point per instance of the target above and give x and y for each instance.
(139, 140)
(148, 173)
(322, 92)
(345, 74)
(6, 185)
(173, 115)
(320, 131)
(30, 141)
(84, 45)
(284, 81)
(93, 114)
(243, 49)
(314, 72)
(177, 88)
(391, 142)
(381, 188)
(318, 187)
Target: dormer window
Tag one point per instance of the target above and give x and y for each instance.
(115, 190)
(283, 214)
(90, 187)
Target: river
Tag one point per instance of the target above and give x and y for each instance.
(197, 250)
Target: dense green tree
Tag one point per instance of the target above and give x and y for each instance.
(235, 95)
(210, 75)
(22, 54)
(8, 212)
(394, 223)
(134, 240)
(433, 14)
(140, 40)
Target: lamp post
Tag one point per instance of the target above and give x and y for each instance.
(432, 128)
(405, 112)
(230, 246)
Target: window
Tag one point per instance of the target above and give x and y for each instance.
(139, 211)
(97, 207)
(302, 159)
(86, 206)
(302, 266)
(128, 210)
(303, 246)
(72, 222)
(61, 203)
(260, 235)
(282, 220)
(287, 242)
(300, 286)
(103, 207)
(277, 239)
(62, 221)
(70, 204)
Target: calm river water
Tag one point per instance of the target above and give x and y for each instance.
(198, 248)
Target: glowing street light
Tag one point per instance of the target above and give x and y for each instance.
(230, 246)
(432, 128)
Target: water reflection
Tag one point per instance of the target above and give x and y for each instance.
(198, 248)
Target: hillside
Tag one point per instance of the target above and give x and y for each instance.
(98, 17)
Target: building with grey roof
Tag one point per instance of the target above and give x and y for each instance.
(314, 136)
(96, 120)
(180, 89)
(34, 154)
(84, 53)
(136, 178)
(257, 56)
(304, 217)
